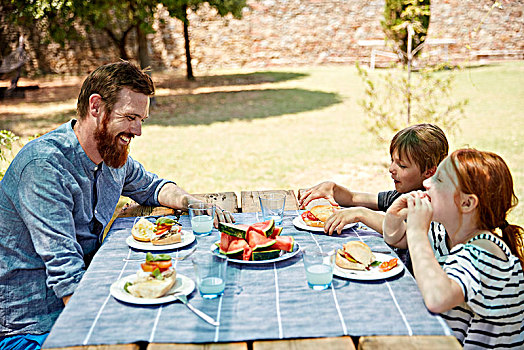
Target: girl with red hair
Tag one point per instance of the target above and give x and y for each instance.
(467, 259)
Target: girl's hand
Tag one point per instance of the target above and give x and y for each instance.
(341, 218)
(399, 208)
(420, 213)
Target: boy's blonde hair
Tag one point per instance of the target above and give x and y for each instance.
(424, 144)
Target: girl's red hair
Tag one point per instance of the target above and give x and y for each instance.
(487, 176)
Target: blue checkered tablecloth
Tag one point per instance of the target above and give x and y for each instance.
(269, 301)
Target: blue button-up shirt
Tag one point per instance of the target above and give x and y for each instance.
(47, 211)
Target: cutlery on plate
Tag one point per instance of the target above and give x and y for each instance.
(178, 258)
(199, 313)
(382, 251)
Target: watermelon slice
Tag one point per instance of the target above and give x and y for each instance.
(257, 240)
(247, 253)
(265, 254)
(265, 228)
(276, 232)
(225, 240)
(232, 229)
(285, 243)
(236, 246)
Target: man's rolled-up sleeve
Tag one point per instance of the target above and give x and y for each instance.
(142, 186)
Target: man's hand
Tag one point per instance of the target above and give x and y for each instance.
(323, 190)
(223, 216)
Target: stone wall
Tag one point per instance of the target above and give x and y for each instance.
(296, 32)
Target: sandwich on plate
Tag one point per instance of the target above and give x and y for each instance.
(355, 255)
(317, 215)
(163, 231)
(154, 279)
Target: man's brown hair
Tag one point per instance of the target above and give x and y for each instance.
(424, 144)
(108, 80)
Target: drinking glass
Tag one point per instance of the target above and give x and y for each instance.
(319, 267)
(272, 206)
(202, 216)
(210, 271)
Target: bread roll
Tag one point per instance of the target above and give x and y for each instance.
(360, 252)
(143, 230)
(151, 288)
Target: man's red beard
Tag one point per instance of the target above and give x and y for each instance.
(112, 153)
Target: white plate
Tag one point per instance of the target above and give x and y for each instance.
(374, 272)
(183, 285)
(187, 238)
(283, 255)
(299, 223)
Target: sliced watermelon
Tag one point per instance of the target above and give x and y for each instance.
(232, 229)
(276, 232)
(247, 253)
(236, 246)
(265, 254)
(225, 240)
(285, 243)
(257, 240)
(265, 228)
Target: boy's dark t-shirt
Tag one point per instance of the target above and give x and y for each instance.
(386, 198)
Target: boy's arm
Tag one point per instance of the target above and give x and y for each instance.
(338, 195)
(366, 200)
(342, 217)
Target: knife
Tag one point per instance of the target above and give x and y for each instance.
(199, 313)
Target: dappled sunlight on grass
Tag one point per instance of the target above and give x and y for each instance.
(223, 106)
(170, 81)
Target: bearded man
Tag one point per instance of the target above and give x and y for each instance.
(61, 191)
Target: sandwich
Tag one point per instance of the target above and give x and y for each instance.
(142, 230)
(163, 231)
(317, 215)
(154, 279)
(355, 255)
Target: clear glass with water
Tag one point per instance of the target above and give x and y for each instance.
(319, 267)
(202, 224)
(202, 216)
(210, 271)
(272, 206)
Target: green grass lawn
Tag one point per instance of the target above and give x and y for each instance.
(292, 127)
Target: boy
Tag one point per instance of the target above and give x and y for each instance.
(415, 151)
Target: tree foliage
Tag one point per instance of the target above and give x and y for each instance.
(430, 96)
(399, 97)
(398, 14)
(117, 18)
(7, 138)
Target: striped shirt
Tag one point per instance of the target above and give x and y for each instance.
(492, 316)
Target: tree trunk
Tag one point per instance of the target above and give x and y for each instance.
(190, 75)
(143, 54)
(119, 42)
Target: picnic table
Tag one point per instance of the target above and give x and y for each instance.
(264, 306)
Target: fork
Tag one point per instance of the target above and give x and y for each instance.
(178, 258)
